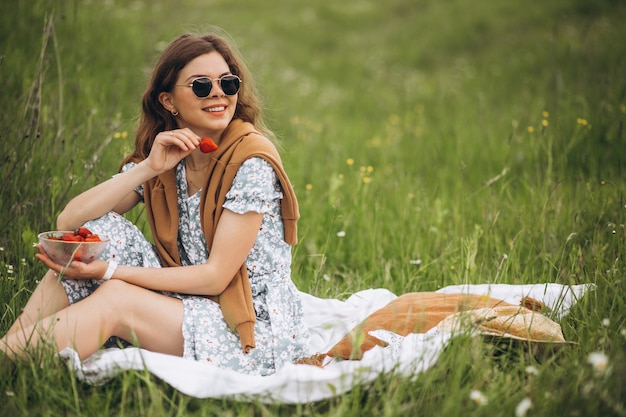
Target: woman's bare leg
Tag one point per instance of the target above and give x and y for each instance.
(116, 308)
(48, 297)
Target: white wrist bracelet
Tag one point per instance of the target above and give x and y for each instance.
(110, 271)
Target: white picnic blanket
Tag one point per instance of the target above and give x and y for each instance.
(328, 320)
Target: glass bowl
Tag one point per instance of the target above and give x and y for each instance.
(63, 252)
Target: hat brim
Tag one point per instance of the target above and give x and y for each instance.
(514, 323)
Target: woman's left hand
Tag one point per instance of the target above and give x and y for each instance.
(75, 269)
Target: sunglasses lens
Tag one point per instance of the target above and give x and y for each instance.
(201, 87)
(230, 84)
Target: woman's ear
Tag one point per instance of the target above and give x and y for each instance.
(166, 101)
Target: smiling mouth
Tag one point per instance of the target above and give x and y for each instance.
(215, 109)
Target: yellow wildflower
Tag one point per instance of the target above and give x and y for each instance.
(530, 129)
(545, 114)
(308, 186)
(544, 123)
(350, 161)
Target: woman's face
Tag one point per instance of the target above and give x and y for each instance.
(207, 116)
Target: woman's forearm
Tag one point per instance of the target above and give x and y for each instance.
(195, 279)
(116, 194)
(234, 238)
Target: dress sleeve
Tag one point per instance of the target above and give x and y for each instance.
(128, 167)
(255, 188)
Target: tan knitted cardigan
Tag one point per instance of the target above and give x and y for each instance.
(239, 142)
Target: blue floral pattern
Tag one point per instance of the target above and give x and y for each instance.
(280, 333)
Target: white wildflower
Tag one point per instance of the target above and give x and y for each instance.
(478, 397)
(531, 370)
(341, 234)
(415, 261)
(522, 408)
(606, 322)
(599, 361)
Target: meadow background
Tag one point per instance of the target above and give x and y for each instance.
(430, 143)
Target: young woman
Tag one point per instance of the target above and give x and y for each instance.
(216, 284)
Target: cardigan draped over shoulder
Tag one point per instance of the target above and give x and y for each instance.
(240, 142)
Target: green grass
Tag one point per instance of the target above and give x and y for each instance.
(433, 102)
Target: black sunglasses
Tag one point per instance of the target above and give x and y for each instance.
(202, 86)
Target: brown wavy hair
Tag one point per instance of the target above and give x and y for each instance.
(155, 118)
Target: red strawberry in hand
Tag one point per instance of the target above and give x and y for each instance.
(207, 145)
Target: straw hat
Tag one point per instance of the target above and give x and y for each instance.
(510, 322)
(418, 312)
(415, 312)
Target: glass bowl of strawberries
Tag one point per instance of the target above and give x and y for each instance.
(64, 246)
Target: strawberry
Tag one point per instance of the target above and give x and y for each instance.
(71, 237)
(207, 145)
(78, 254)
(83, 232)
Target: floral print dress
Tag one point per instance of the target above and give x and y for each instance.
(280, 333)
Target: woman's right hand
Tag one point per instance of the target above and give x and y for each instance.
(170, 147)
(75, 269)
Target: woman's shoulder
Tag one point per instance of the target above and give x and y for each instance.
(256, 144)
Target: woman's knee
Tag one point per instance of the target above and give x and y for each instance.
(122, 297)
(114, 301)
(136, 312)
(50, 279)
(116, 297)
(50, 295)
(116, 291)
